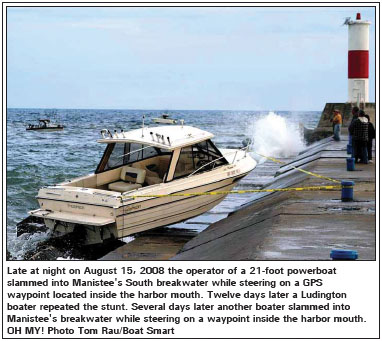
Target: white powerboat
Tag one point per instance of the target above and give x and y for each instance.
(165, 119)
(124, 195)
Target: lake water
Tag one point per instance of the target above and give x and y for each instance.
(37, 159)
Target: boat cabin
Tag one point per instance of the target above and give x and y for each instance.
(150, 156)
(44, 122)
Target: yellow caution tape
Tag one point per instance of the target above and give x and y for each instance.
(299, 169)
(311, 188)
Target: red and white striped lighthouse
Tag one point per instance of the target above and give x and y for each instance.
(358, 60)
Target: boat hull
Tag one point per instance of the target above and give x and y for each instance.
(46, 129)
(168, 210)
(130, 218)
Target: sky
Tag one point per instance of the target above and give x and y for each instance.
(251, 58)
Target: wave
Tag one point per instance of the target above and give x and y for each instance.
(276, 136)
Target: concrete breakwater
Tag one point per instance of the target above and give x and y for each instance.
(302, 225)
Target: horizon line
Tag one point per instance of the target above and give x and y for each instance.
(55, 108)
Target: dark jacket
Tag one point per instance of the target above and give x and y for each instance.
(371, 132)
(359, 129)
(355, 118)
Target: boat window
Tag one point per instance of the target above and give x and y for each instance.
(193, 157)
(121, 154)
(150, 152)
(115, 159)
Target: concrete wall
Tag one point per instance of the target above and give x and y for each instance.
(325, 127)
(327, 114)
(345, 109)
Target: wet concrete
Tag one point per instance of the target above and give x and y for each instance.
(156, 244)
(303, 225)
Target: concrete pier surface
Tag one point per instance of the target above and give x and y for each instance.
(158, 244)
(304, 225)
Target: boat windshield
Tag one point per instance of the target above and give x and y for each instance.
(121, 154)
(193, 158)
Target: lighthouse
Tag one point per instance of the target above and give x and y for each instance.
(358, 60)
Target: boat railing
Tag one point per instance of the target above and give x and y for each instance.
(223, 156)
(246, 148)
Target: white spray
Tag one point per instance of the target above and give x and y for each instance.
(273, 135)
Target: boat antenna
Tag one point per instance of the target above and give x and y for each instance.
(143, 124)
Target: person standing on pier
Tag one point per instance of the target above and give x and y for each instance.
(359, 131)
(370, 137)
(355, 113)
(337, 121)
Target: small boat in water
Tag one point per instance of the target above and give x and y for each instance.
(165, 119)
(145, 179)
(45, 125)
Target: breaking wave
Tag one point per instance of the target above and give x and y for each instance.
(276, 136)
